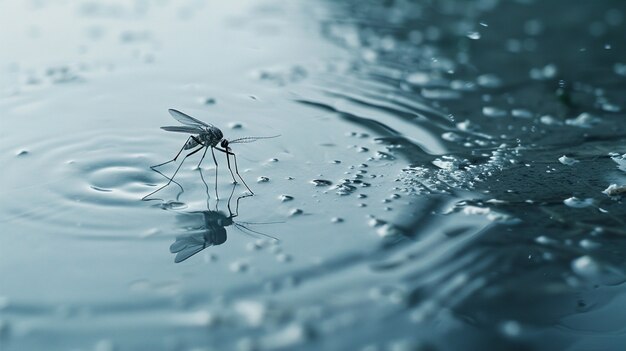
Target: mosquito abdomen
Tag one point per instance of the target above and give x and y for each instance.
(191, 143)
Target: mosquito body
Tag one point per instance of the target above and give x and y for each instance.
(204, 136)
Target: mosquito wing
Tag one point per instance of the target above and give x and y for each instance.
(184, 129)
(188, 120)
(187, 252)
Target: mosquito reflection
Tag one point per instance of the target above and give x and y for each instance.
(208, 228)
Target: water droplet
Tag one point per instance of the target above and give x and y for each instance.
(584, 120)
(521, 113)
(321, 182)
(489, 81)
(586, 266)
(547, 72)
(239, 266)
(336, 219)
(567, 160)
(375, 222)
(578, 203)
(511, 328)
(473, 35)
(615, 190)
(235, 125)
(620, 69)
(388, 230)
(491, 111)
(283, 257)
(418, 78)
(295, 212)
(209, 101)
(262, 180)
(285, 198)
(22, 153)
(589, 244)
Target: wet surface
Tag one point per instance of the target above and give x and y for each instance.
(449, 175)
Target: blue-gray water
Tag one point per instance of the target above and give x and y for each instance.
(449, 175)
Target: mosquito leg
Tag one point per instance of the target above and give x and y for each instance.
(215, 161)
(174, 175)
(175, 157)
(203, 154)
(239, 175)
(230, 169)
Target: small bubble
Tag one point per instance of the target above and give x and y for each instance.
(22, 153)
(235, 125)
(336, 219)
(262, 180)
(336, 162)
(362, 205)
(273, 160)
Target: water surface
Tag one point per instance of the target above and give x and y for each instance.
(443, 178)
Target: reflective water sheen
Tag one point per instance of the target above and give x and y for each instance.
(450, 175)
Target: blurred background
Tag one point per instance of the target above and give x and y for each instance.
(449, 175)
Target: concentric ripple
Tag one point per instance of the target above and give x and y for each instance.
(76, 182)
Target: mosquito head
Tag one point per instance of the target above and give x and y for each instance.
(224, 144)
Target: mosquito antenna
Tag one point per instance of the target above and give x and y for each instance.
(241, 227)
(257, 223)
(251, 139)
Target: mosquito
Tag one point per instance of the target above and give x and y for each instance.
(204, 136)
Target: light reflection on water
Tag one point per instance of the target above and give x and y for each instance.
(418, 189)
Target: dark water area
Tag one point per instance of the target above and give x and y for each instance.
(449, 175)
